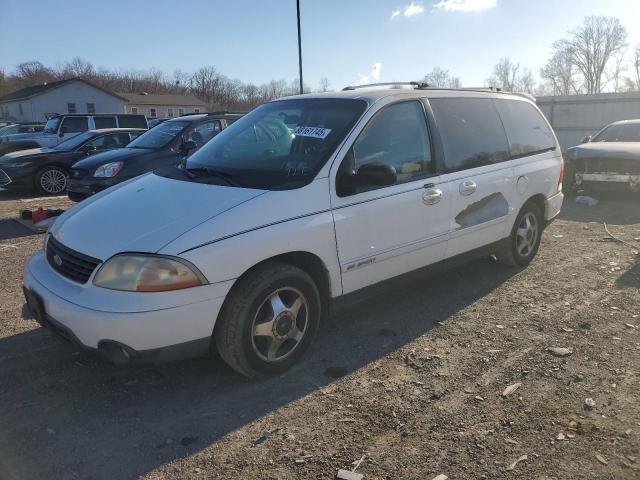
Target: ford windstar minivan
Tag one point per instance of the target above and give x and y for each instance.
(244, 245)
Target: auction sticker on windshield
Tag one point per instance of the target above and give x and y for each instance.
(314, 132)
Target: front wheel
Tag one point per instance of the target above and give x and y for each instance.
(268, 320)
(524, 241)
(51, 180)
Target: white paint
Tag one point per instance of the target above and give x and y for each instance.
(224, 231)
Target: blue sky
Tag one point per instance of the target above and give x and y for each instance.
(255, 40)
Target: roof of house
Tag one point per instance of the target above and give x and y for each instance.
(156, 99)
(35, 90)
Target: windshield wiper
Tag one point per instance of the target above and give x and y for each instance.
(212, 172)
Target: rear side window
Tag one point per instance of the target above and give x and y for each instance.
(132, 121)
(105, 122)
(527, 131)
(471, 131)
(74, 124)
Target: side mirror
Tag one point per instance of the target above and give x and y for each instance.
(188, 146)
(376, 174)
(88, 148)
(370, 175)
(586, 139)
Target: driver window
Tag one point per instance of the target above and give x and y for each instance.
(397, 136)
(204, 132)
(108, 142)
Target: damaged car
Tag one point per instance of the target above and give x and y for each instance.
(244, 246)
(608, 160)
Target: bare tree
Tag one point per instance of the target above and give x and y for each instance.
(509, 76)
(324, 84)
(636, 66)
(560, 72)
(78, 67)
(33, 73)
(442, 78)
(592, 46)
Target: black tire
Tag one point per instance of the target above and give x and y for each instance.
(48, 180)
(513, 254)
(234, 331)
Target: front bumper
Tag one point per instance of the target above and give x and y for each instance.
(163, 333)
(81, 189)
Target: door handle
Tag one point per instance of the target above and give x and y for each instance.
(468, 187)
(431, 196)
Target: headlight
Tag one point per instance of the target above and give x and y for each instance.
(108, 169)
(147, 273)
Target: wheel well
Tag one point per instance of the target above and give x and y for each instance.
(310, 264)
(540, 201)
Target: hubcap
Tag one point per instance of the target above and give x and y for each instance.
(527, 234)
(53, 181)
(280, 324)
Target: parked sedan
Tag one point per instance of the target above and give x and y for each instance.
(609, 159)
(46, 169)
(166, 144)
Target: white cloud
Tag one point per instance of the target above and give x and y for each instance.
(374, 75)
(409, 10)
(413, 9)
(466, 5)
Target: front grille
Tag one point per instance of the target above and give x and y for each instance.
(77, 173)
(4, 178)
(73, 265)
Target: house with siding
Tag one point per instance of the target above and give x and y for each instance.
(34, 103)
(75, 95)
(162, 106)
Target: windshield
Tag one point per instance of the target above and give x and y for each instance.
(281, 144)
(159, 136)
(52, 125)
(619, 133)
(74, 142)
(8, 130)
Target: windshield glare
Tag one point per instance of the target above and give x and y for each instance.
(52, 125)
(619, 133)
(74, 142)
(8, 130)
(281, 144)
(159, 136)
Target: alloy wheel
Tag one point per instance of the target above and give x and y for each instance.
(527, 234)
(53, 181)
(280, 324)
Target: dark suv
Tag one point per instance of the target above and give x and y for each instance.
(164, 145)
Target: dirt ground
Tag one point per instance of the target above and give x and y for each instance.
(407, 377)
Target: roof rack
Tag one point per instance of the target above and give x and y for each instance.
(218, 112)
(418, 85)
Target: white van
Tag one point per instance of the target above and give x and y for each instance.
(301, 201)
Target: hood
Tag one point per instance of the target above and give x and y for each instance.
(25, 153)
(143, 215)
(116, 155)
(606, 150)
(19, 137)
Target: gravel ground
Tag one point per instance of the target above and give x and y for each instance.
(407, 377)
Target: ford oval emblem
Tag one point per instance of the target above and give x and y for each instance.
(57, 260)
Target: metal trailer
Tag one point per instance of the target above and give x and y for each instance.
(573, 117)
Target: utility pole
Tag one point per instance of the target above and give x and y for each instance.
(299, 47)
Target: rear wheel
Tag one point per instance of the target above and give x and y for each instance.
(268, 320)
(51, 180)
(525, 237)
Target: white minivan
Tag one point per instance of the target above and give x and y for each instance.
(244, 245)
